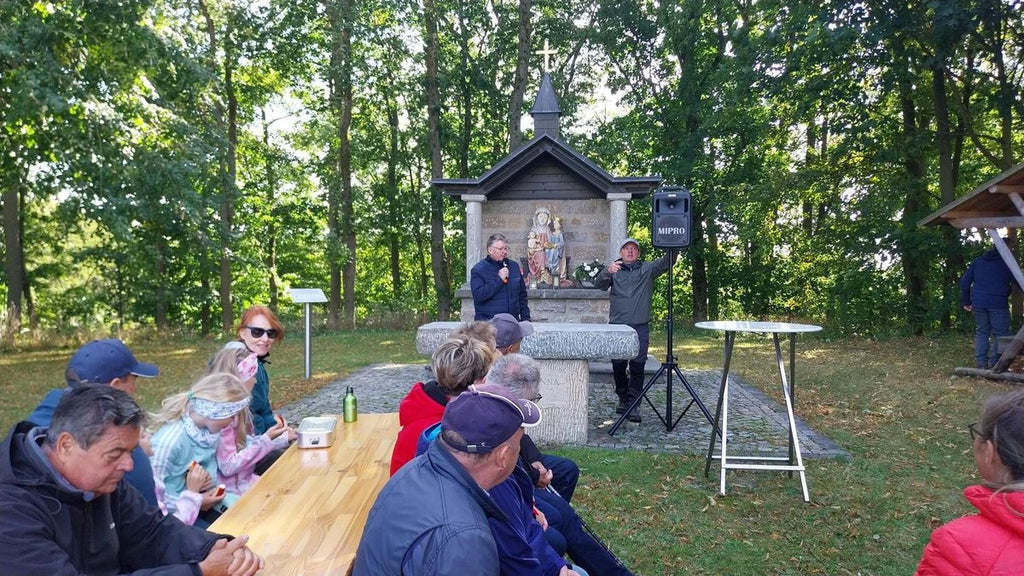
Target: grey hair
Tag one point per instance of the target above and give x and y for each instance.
(495, 238)
(519, 373)
(86, 412)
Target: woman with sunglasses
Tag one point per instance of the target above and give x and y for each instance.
(992, 541)
(259, 329)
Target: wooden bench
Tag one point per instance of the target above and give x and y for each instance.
(305, 516)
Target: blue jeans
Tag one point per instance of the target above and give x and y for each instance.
(990, 322)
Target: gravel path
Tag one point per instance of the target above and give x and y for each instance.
(757, 424)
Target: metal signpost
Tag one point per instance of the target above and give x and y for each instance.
(308, 296)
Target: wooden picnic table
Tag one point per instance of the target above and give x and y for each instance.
(305, 515)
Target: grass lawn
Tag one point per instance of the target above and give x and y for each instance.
(891, 404)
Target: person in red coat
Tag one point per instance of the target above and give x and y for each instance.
(457, 363)
(992, 541)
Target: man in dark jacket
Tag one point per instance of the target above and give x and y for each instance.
(67, 510)
(497, 284)
(984, 290)
(632, 285)
(431, 517)
(107, 362)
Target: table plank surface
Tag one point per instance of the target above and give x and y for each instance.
(305, 516)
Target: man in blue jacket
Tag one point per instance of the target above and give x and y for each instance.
(107, 362)
(497, 284)
(984, 290)
(431, 518)
(67, 510)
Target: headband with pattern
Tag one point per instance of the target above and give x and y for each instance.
(217, 410)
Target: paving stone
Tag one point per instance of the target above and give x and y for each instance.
(757, 424)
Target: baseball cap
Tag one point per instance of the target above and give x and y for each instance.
(485, 416)
(628, 241)
(510, 330)
(100, 361)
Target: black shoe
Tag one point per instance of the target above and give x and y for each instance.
(634, 416)
(621, 408)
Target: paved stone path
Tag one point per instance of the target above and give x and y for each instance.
(757, 424)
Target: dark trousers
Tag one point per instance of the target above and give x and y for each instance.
(629, 386)
(565, 474)
(566, 534)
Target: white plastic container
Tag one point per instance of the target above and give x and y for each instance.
(317, 431)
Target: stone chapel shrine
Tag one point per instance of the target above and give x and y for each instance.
(557, 208)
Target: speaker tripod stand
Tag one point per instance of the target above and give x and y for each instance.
(668, 368)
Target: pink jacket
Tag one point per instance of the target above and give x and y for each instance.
(188, 504)
(990, 542)
(236, 468)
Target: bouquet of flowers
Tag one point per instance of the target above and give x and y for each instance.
(587, 272)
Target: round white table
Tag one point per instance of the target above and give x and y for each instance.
(793, 462)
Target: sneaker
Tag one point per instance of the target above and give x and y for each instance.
(634, 416)
(621, 408)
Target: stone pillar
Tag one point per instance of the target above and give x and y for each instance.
(563, 351)
(617, 221)
(474, 227)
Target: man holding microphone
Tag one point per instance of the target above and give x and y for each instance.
(497, 284)
(632, 285)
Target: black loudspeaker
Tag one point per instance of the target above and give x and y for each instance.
(670, 217)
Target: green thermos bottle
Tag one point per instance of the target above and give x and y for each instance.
(351, 405)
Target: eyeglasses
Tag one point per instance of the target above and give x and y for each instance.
(536, 398)
(259, 332)
(973, 429)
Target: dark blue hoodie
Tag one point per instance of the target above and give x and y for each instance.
(987, 282)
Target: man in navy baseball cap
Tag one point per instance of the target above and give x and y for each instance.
(105, 362)
(431, 517)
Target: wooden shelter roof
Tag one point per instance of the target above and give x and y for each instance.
(997, 203)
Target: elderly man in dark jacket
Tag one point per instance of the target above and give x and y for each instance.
(984, 290)
(66, 509)
(632, 285)
(431, 518)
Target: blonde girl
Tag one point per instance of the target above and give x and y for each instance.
(188, 429)
(238, 450)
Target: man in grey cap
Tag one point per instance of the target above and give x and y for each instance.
(509, 332)
(632, 285)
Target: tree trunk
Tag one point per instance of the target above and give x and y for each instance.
(515, 108)
(915, 204)
(14, 263)
(947, 188)
(227, 207)
(699, 265)
(394, 207)
(438, 262)
(271, 233)
(348, 231)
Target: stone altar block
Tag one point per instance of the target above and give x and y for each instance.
(563, 351)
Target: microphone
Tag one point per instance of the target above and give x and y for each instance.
(504, 264)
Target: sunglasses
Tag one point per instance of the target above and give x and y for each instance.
(259, 332)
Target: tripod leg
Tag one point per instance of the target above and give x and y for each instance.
(636, 401)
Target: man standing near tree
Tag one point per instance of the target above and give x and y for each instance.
(632, 285)
(984, 290)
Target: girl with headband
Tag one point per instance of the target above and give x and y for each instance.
(188, 431)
